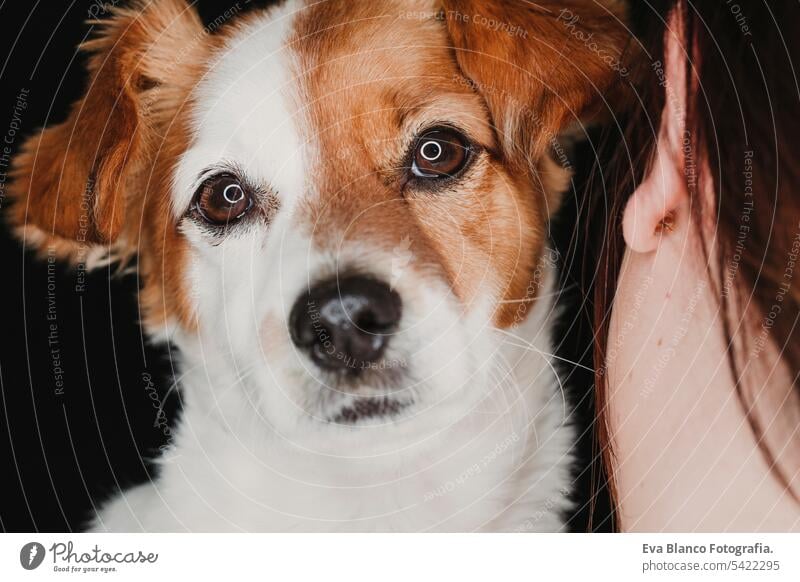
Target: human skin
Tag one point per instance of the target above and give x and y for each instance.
(685, 457)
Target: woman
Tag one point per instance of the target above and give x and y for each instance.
(697, 293)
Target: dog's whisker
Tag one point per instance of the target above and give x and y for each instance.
(556, 293)
(502, 384)
(549, 361)
(526, 345)
(527, 418)
(496, 393)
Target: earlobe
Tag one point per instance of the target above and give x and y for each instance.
(657, 207)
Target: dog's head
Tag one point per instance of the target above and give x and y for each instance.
(335, 205)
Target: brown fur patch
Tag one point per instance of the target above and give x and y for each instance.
(374, 73)
(102, 177)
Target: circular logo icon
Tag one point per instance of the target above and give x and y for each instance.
(31, 555)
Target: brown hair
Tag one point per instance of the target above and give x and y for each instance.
(742, 116)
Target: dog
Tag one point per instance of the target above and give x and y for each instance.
(339, 214)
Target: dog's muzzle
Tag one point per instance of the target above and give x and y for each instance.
(345, 324)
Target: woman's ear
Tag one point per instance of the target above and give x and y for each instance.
(71, 182)
(660, 204)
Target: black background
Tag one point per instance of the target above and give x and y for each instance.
(59, 452)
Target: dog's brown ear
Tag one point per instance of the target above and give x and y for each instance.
(70, 181)
(538, 65)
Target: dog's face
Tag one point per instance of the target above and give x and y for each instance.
(336, 206)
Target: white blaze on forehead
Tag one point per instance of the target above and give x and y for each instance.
(246, 112)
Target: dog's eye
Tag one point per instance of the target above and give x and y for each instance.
(222, 200)
(439, 153)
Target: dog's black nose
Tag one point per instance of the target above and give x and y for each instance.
(345, 323)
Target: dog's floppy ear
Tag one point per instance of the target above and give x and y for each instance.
(538, 65)
(70, 180)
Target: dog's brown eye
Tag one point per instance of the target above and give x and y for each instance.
(222, 199)
(439, 153)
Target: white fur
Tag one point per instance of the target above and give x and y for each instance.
(484, 446)
(504, 465)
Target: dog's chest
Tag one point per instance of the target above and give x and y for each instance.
(505, 466)
(469, 485)
(464, 486)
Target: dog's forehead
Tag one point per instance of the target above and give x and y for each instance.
(285, 78)
(368, 41)
(373, 60)
(244, 110)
